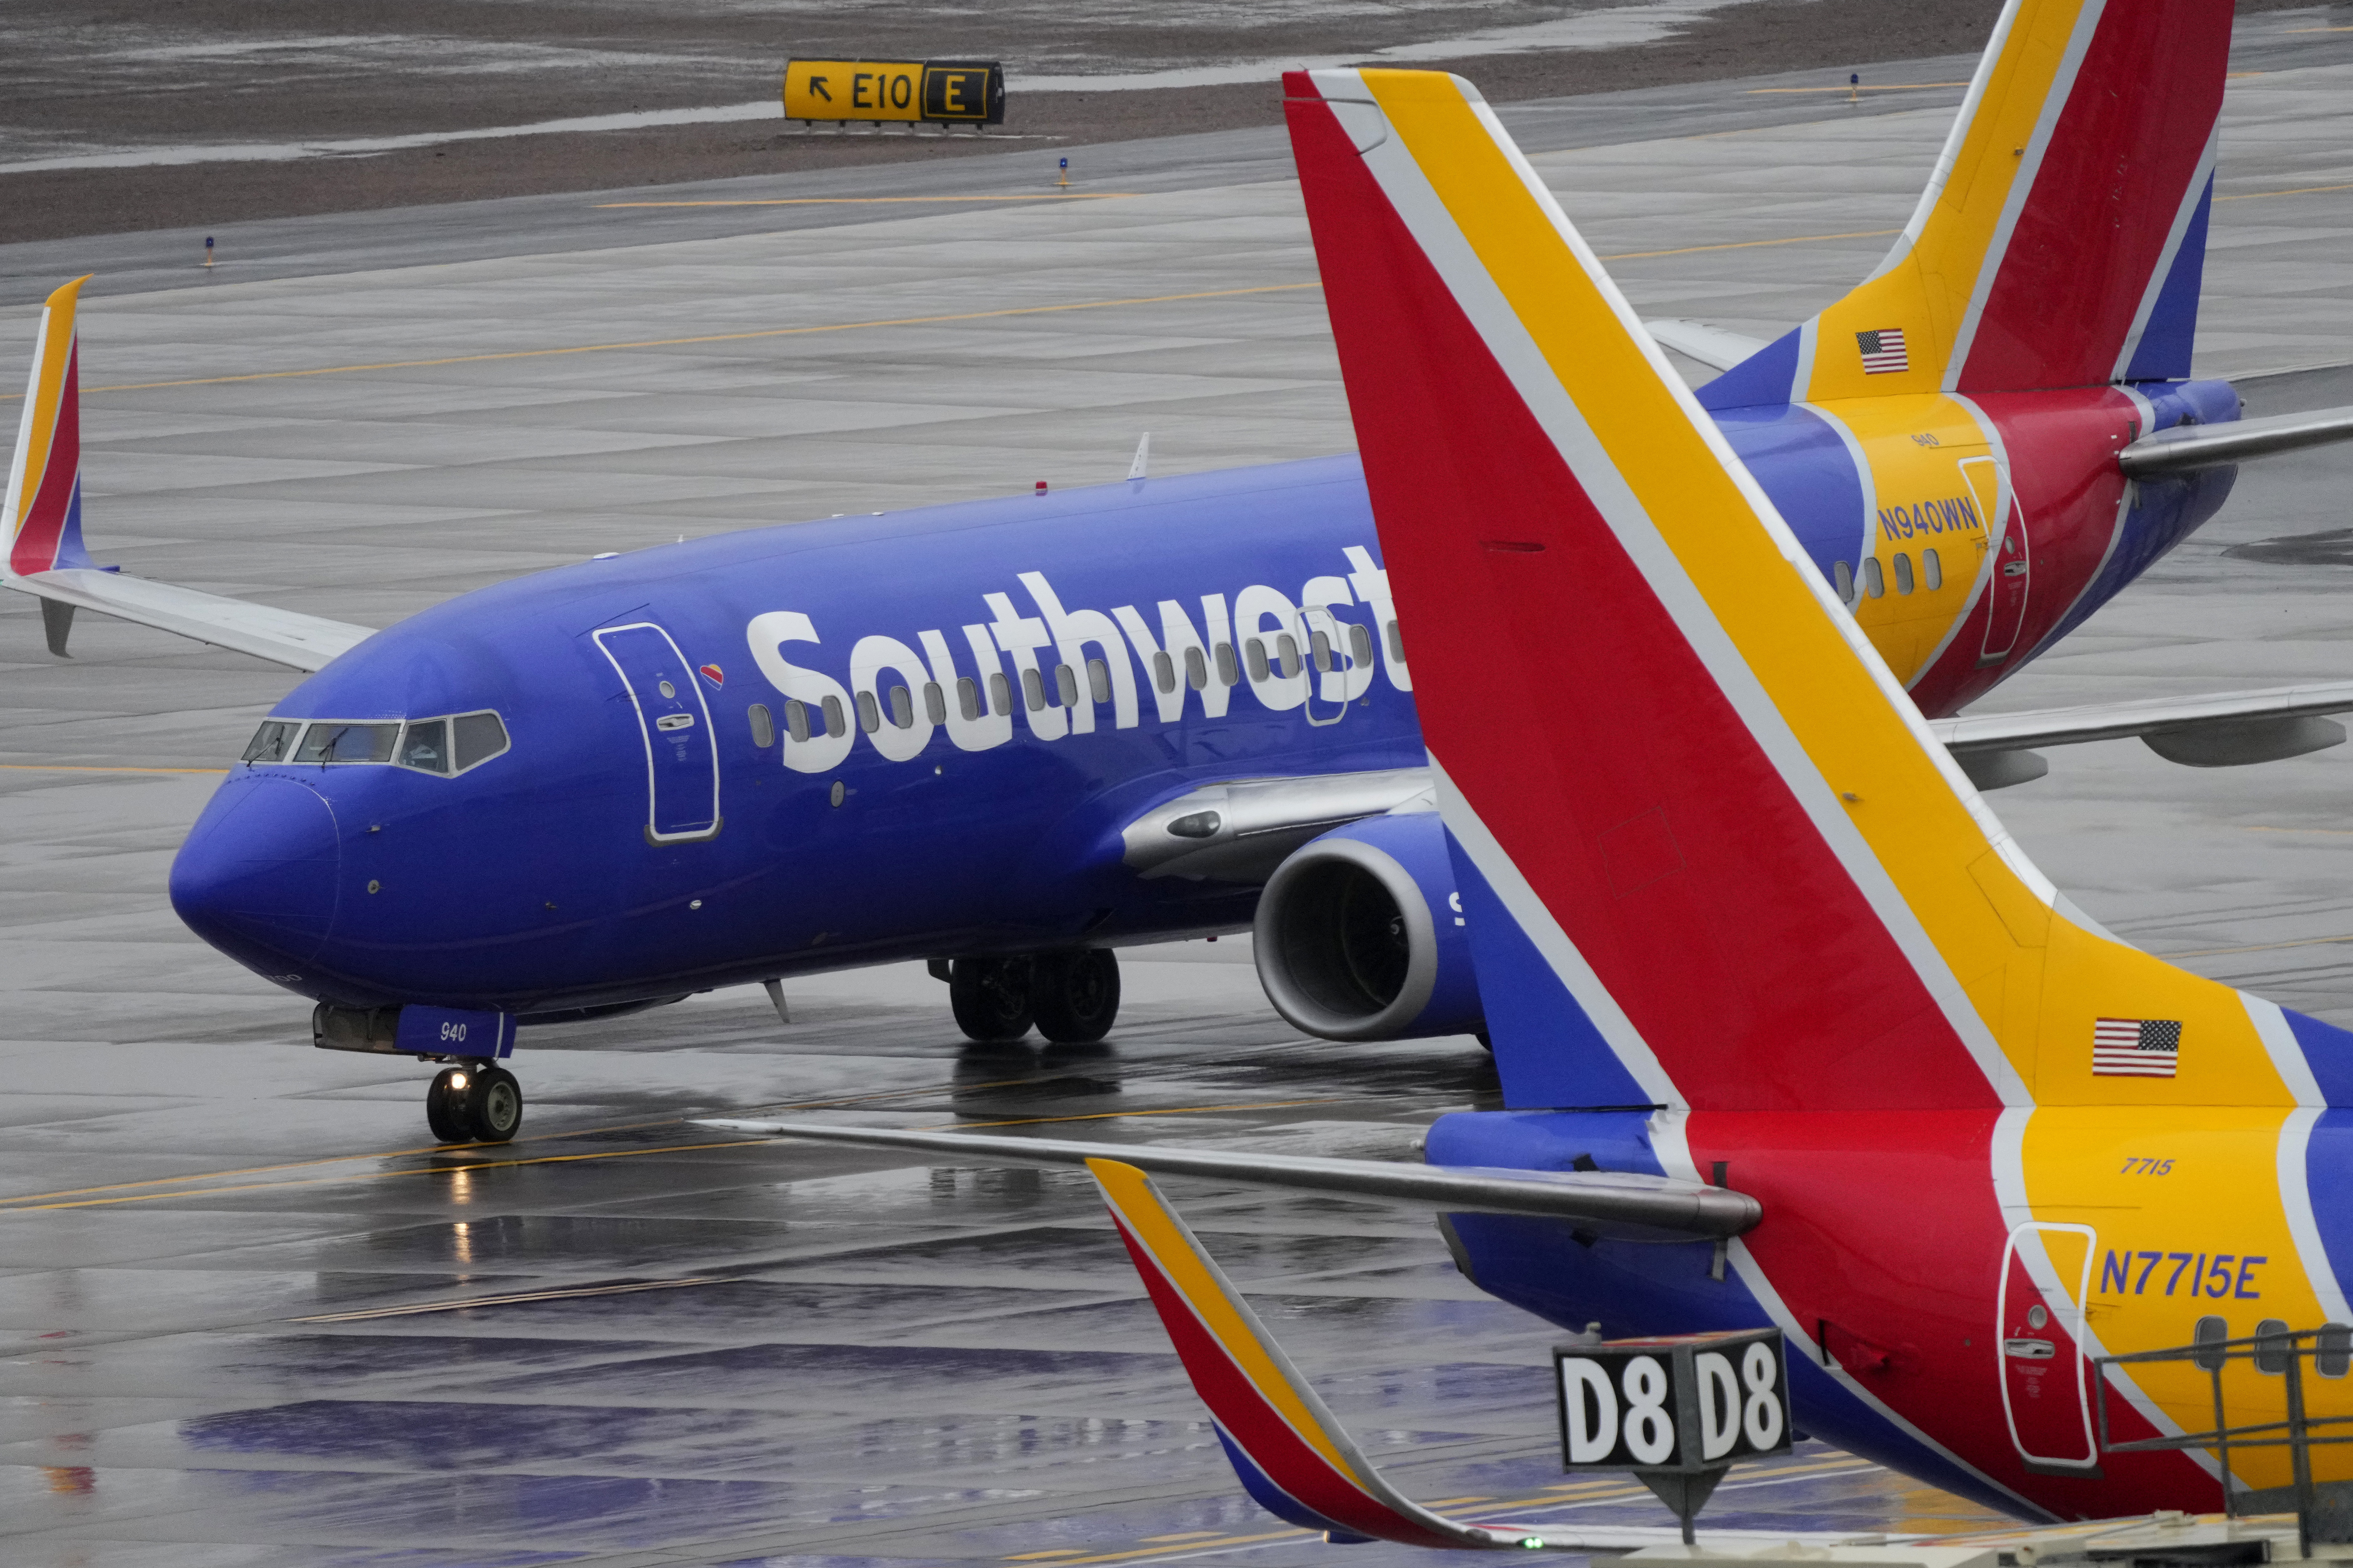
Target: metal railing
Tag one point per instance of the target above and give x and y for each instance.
(2276, 1351)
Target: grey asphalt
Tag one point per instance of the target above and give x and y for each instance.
(252, 1318)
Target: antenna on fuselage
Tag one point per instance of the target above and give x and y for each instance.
(1142, 457)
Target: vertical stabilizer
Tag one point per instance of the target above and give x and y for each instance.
(43, 510)
(1668, 752)
(2062, 238)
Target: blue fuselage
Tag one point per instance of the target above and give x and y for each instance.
(1008, 684)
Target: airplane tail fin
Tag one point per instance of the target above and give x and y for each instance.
(1734, 869)
(43, 510)
(1292, 1457)
(2061, 240)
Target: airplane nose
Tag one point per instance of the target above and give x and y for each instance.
(259, 874)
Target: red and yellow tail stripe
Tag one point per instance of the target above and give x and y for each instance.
(1290, 1453)
(1608, 572)
(1703, 797)
(2039, 250)
(42, 512)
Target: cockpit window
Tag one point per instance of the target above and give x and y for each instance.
(441, 746)
(272, 741)
(480, 737)
(339, 743)
(425, 746)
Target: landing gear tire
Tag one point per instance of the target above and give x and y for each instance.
(1075, 995)
(446, 1108)
(494, 1105)
(990, 997)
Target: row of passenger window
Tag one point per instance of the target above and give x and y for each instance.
(802, 720)
(1875, 583)
(2332, 1346)
(447, 745)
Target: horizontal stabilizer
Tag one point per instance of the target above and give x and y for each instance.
(281, 636)
(1294, 1457)
(2190, 448)
(2220, 729)
(1607, 1201)
(1712, 346)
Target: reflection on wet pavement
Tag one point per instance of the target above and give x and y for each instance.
(619, 1339)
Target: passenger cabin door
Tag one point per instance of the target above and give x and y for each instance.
(682, 751)
(2011, 554)
(2046, 1390)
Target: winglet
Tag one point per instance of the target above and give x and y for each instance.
(43, 510)
(41, 521)
(1292, 1457)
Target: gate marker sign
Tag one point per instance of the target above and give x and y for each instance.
(933, 92)
(1678, 1411)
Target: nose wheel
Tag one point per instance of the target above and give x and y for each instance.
(474, 1102)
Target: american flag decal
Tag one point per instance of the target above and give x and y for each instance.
(1882, 350)
(2135, 1047)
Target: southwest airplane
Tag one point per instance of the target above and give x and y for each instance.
(1774, 980)
(976, 734)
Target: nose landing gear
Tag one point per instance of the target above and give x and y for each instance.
(474, 1102)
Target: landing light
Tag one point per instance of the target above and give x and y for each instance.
(457, 1080)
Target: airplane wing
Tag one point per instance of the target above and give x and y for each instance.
(42, 519)
(2188, 448)
(1615, 1203)
(1712, 346)
(281, 636)
(2223, 728)
(1294, 1457)
(1241, 832)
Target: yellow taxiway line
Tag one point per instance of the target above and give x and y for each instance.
(702, 338)
(887, 201)
(1585, 1494)
(75, 768)
(946, 319)
(513, 1299)
(1851, 87)
(38, 1200)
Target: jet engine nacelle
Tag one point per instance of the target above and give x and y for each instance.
(1358, 936)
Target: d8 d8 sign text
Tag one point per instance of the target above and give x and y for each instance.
(1691, 1402)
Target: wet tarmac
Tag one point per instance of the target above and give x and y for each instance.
(215, 113)
(623, 1340)
(251, 1317)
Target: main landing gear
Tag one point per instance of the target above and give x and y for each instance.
(1070, 997)
(474, 1102)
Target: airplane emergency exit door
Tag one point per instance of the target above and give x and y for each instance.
(681, 753)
